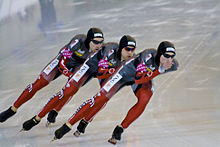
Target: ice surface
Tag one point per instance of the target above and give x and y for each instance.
(185, 108)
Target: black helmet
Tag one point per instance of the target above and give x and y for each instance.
(93, 33)
(125, 41)
(164, 46)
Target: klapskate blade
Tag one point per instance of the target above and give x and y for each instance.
(76, 133)
(53, 139)
(48, 124)
(112, 141)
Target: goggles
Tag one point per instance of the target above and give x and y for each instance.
(97, 42)
(130, 49)
(168, 55)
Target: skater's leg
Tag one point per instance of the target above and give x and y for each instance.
(60, 106)
(51, 118)
(98, 101)
(27, 94)
(93, 104)
(89, 117)
(86, 120)
(63, 95)
(30, 91)
(143, 96)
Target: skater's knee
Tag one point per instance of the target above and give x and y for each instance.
(39, 83)
(70, 90)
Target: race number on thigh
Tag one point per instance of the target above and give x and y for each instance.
(112, 82)
(80, 73)
(51, 66)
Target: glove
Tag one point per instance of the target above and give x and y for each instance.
(105, 73)
(143, 74)
(62, 67)
(67, 53)
(103, 63)
(141, 68)
(66, 72)
(111, 71)
(144, 77)
(161, 69)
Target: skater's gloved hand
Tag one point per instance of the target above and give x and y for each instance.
(141, 68)
(62, 67)
(66, 72)
(161, 69)
(105, 73)
(111, 70)
(103, 63)
(67, 53)
(144, 74)
(144, 77)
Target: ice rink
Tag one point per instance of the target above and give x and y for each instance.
(185, 108)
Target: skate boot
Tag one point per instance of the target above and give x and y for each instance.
(116, 136)
(51, 118)
(30, 123)
(6, 114)
(61, 131)
(81, 128)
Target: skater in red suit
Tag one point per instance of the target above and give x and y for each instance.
(137, 72)
(101, 64)
(70, 57)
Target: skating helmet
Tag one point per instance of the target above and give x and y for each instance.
(125, 41)
(93, 33)
(164, 46)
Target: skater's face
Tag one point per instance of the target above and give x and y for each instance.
(166, 60)
(127, 53)
(96, 44)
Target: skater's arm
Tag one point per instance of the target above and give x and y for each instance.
(143, 77)
(66, 55)
(104, 71)
(62, 67)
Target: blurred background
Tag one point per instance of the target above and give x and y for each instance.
(185, 108)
